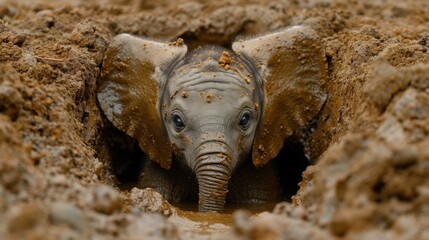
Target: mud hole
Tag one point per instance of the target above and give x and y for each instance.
(60, 160)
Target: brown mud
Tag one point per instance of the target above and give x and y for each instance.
(370, 155)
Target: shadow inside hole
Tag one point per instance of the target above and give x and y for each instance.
(124, 154)
(291, 163)
(128, 174)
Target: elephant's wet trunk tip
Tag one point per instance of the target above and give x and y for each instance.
(213, 172)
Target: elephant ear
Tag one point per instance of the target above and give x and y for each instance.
(132, 75)
(292, 69)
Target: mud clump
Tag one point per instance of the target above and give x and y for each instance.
(178, 42)
(225, 60)
(59, 156)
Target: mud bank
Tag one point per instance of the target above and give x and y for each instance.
(369, 154)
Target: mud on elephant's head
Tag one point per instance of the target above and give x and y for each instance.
(213, 108)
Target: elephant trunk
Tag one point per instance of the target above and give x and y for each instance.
(213, 171)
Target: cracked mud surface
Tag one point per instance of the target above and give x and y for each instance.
(369, 178)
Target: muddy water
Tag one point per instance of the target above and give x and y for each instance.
(230, 207)
(190, 229)
(202, 223)
(209, 225)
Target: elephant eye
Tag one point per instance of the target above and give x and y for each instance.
(178, 123)
(245, 118)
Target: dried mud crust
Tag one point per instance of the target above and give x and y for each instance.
(369, 147)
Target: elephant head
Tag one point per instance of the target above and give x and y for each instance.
(213, 108)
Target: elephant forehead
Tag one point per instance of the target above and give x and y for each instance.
(210, 74)
(203, 81)
(210, 94)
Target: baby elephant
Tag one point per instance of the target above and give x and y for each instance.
(213, 111)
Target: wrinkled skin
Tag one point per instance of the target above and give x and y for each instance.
(206, 115)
